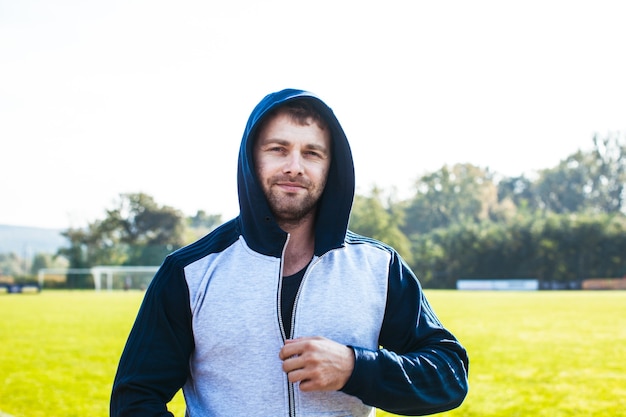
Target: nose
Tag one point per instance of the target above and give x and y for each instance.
(293, 164)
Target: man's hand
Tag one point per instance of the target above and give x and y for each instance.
(319, 364)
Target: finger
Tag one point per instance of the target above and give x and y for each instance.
(289, 350)
(308, 381)
(293, 347)
(293, 363)
(297, 375)
(308, 385)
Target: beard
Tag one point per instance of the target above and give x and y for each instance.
(291, 208)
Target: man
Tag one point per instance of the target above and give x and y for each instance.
(282, 311)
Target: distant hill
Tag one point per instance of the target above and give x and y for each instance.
(23, 240)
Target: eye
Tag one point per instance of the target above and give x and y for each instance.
(276, 149)
(311, 153)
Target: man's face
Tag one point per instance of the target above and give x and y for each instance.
(292, 163)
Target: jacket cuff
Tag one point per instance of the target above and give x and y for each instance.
(364, 368)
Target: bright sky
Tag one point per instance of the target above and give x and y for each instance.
(99, 98)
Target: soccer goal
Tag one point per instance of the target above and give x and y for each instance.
(114, 277)
(124, 277)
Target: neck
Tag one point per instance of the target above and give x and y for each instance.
(301, 245)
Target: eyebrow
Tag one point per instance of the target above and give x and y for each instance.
(312, 146)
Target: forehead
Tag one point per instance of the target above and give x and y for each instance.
(285, 128)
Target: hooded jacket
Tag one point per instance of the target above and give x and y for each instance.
(210, 321)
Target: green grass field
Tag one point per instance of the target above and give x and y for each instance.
(532, 354)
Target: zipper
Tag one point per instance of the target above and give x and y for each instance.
(295, 301)
(290, 387)
(279, 307)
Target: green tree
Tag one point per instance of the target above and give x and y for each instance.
(371, 217)
(519, 191)
(200, 224)
(46, 260)
(608, 173)
(147, 231)
(563, 189)
(452, 195)
(590, 181)
(204, 220)
(89, 247)
(11, 265)
(137, 231)
(559, 249)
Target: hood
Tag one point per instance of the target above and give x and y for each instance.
(256, 220)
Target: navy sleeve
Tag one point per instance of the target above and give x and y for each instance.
(155, 362)
(421, 368)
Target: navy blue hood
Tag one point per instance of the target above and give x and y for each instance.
(256, 220)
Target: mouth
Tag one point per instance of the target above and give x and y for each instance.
(290, 187)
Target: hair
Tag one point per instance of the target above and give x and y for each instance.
(301, 111)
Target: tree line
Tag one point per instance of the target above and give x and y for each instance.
(561, 225)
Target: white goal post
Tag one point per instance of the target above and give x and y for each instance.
(97, 272)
